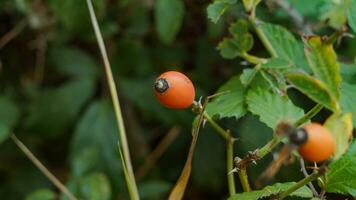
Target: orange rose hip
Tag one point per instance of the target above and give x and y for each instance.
(320, 144)
(174, 90)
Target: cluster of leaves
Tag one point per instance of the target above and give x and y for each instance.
(310, 66)
(61, 109)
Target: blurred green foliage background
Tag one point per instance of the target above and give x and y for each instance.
(54, 95)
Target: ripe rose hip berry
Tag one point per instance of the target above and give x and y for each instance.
(174, 90)
(320, 144)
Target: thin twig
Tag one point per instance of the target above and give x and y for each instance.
(152, 158)
(13, 33)
(42, 168)
(130, 178)
(302, 165)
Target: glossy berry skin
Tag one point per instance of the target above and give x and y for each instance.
(174, 90)
(320, 144)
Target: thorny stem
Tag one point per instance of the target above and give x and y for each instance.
(126, 161)
(303, 182)
(223, 133)
(229, 155)
(244, 179)
(310, 114)
(230, 165)
(262, 37)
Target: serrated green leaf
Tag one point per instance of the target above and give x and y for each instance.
(303, 192)
(41, 194)
(95, 186)
(239, 28)
(351, 15)
(230, 104)
(340, 126)
(285, 46)
(323, 61)
(272, 108)
(228, 48)
(276, 63)
(247, 76)
(216, 9)
(314, 89)
(335, 13)
(341, 175)
(168, 17)
(348, 99)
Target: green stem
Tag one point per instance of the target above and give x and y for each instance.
(262, 152)
(301, 183)
(253, 59)
(223, 133)
(230, 166)
(310, 114)
(263, 37)
(242, 172)
(244, 179)
(123, 144)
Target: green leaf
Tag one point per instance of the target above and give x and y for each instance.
(284, 44)
(351, 15)
(4, 132)
(168, 17)
(41, 194)
(323, 61)
(275, 189)
(340, 126)
(73, 62)
(277, 63)
(98, 132)
(314, 89)
(242, 40)
(247, 76)
(348, 99)
(95, 186)
(348, 73)
(74, 16)
(230, 104)
(240, 27)
(216, 9)
(250, 4)
(154, 189)
(52, 111)
(9, 112)
(272, 108)
(9, 115)
(341, 175)
(228, 48)
(335, 13)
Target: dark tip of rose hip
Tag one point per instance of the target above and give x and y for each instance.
(161, 85)
(299, 137)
